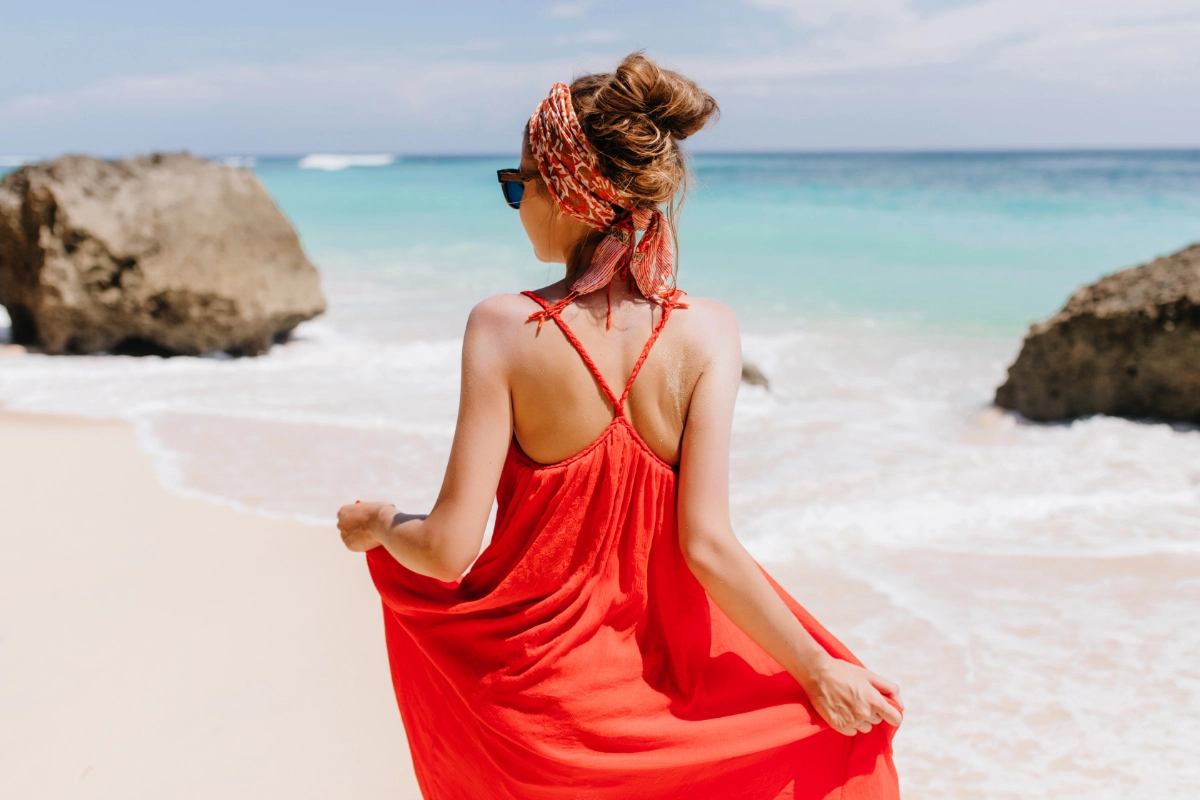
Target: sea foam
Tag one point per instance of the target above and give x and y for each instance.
(334, 161)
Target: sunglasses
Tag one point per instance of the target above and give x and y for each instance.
(512, 183)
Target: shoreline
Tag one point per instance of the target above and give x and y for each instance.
(155, 645)
(273, 435)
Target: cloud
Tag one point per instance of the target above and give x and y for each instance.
(844, 15)
(850, 73)
(404, 104)
(419, 88)
(1102, 43)
(1160, 54)
(598, 36)
(567, 10)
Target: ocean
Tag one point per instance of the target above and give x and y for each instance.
(1034, 588)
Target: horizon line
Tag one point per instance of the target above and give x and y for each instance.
(939, 151)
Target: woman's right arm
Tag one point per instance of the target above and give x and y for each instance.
(443, 543)
(850, 698)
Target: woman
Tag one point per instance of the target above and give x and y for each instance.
(614, 639)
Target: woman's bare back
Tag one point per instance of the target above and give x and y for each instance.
(558, 407)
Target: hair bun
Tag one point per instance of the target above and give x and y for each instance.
(672, 102)
(634, 118)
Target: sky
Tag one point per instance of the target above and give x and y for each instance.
(262, 78)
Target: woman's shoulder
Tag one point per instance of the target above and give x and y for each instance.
(499, 312)
(503, 307)
(709, 326)
(705, 312)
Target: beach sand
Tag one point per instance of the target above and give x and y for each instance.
(155, 646)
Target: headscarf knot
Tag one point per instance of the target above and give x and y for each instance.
(570, 167)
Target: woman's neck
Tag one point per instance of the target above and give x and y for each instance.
(580, 257)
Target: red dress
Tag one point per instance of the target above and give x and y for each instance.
(579, 657)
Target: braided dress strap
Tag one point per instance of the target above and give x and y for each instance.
(668, 303)
(552, 310)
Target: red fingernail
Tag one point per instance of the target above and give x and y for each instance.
(358, 501)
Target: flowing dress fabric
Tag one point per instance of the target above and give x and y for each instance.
(579, 657)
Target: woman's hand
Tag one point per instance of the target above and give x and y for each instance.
(852, 699)
(362, 525)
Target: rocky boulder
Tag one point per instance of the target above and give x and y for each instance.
(163, 253)
(1128, 345)
(754, 376)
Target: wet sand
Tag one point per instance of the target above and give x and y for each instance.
(1079, 674)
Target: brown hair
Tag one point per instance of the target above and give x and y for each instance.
(635, 118)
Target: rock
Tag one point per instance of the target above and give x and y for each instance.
(163, 253)
(754, 376)
(1128, 345)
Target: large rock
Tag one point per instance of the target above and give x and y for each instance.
(1128, 345)
(163, 253)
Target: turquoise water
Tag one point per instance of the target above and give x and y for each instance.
(987, 242)
(971, 241)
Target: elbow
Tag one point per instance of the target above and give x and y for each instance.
(446, 574)
(426, 552)
(432, 567)
(450, 569)
(704, 551)
(449, 557)
(444, 566)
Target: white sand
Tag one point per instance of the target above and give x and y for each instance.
(153, 646)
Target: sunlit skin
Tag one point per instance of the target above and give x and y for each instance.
(534, 386)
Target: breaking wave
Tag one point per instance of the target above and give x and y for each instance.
(334, 161)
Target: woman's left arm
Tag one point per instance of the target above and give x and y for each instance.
(445, 542)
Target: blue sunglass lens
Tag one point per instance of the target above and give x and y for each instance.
(513, 192)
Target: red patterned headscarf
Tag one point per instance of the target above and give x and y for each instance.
(571, 170)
